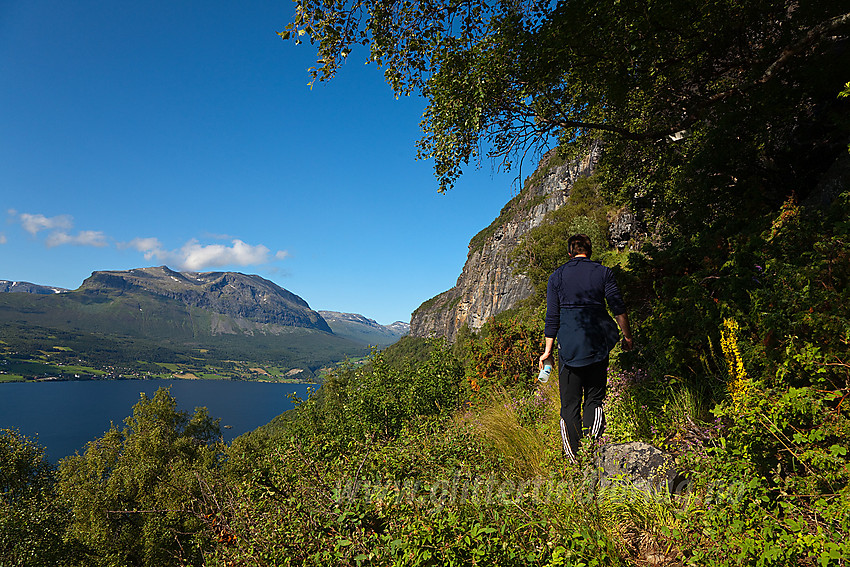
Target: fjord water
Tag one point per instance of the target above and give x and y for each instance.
(67, 415)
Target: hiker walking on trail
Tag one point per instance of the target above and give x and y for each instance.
(576, 316)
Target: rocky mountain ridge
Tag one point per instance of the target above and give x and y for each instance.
(232, 294)
(244, 302)
(363, 320)
(399, 327)
(27, 287)
(155, 322)
(488, 283)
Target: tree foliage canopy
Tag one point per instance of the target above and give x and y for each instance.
(512, 75)
(134, 490)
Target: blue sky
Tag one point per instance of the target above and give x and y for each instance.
(138, 134)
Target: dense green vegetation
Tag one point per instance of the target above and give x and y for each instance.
(437, 454)
(738, 287)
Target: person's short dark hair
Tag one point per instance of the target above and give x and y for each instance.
(579, 244)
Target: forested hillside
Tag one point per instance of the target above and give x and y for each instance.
(725, 128)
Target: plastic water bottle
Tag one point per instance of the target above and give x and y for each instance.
(544, 374)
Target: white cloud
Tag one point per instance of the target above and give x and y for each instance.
(82, 238)
(58, 228)
(3, 238)
(36, 223)
(148, 246)
(197, 256)
(194, 256)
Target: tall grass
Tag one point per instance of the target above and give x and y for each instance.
(521, 427)
(643, 520)
(617, 519)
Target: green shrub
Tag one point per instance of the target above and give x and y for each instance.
(504, 355)
(136, 492)
(376, 399)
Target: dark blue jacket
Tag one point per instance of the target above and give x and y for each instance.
(576, 314)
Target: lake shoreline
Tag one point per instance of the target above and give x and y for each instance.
(64, 415)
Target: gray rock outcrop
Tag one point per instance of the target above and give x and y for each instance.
(641, 465)
(622, 228)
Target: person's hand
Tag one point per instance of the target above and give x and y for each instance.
(628, 343)
(543, 358)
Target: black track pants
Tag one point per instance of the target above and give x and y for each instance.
(589, 383)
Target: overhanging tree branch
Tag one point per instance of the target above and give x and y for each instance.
(512, 74)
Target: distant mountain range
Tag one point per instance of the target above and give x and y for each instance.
(26, 287)
(226, 315)
(362, 329)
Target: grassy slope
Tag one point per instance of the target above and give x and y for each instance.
(131, 330)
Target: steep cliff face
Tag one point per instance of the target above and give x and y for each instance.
(488, 284)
